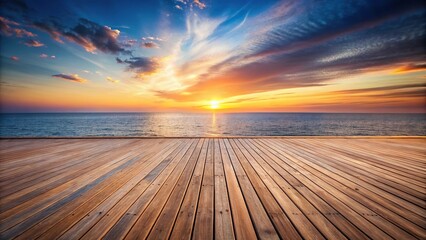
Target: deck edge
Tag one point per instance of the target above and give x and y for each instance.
(188, 137)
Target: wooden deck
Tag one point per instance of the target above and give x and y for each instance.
(205, 188)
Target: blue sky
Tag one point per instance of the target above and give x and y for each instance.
(181, 54)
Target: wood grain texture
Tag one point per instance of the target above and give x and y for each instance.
(213, 188)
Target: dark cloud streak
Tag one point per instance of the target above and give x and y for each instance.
(140, 65)
(90, 35)
(149, 45)
(384, 88)
(322, 23)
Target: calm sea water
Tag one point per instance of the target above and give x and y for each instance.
(210, 124)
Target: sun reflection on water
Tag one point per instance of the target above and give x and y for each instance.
(214, 128)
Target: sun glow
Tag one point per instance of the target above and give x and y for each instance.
(214, 104)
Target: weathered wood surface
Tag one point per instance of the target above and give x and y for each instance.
(213, 188)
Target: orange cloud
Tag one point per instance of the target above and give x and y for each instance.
(70, 77)
(410, 68)
(199, 4)
(8, 30)
(33, 43)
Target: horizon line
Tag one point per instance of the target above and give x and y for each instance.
(205, 112)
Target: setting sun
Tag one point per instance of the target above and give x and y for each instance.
(214, 104)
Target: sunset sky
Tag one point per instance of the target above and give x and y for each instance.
(230, 55)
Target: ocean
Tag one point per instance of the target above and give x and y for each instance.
(210, 124)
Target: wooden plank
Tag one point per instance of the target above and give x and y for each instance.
(36, 204)
(223, 225)
(89, 181)
(243, 225)
(204, 219)
(98, 205)
(160, 187)
(296, 191)
(160, 207)
(376, 203)
(407, 150)
(21, 164)
(184, 222)
(118, 229)
(369, 214)
(29, 148)
(205, 188)
(286, 163)
(399, 151)
(122, 216)
(64, 163)
(261, 221)
(390, 173)
(22, 196)
(399, 160)
(292, 202)
(276, 214)
(393, 201)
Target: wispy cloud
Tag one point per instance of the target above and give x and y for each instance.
(110, 79)
(129, 42)
(70, 77)
(150, 38)
(8, 28)
(44, 55)
(14, 58)
(33, 43)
